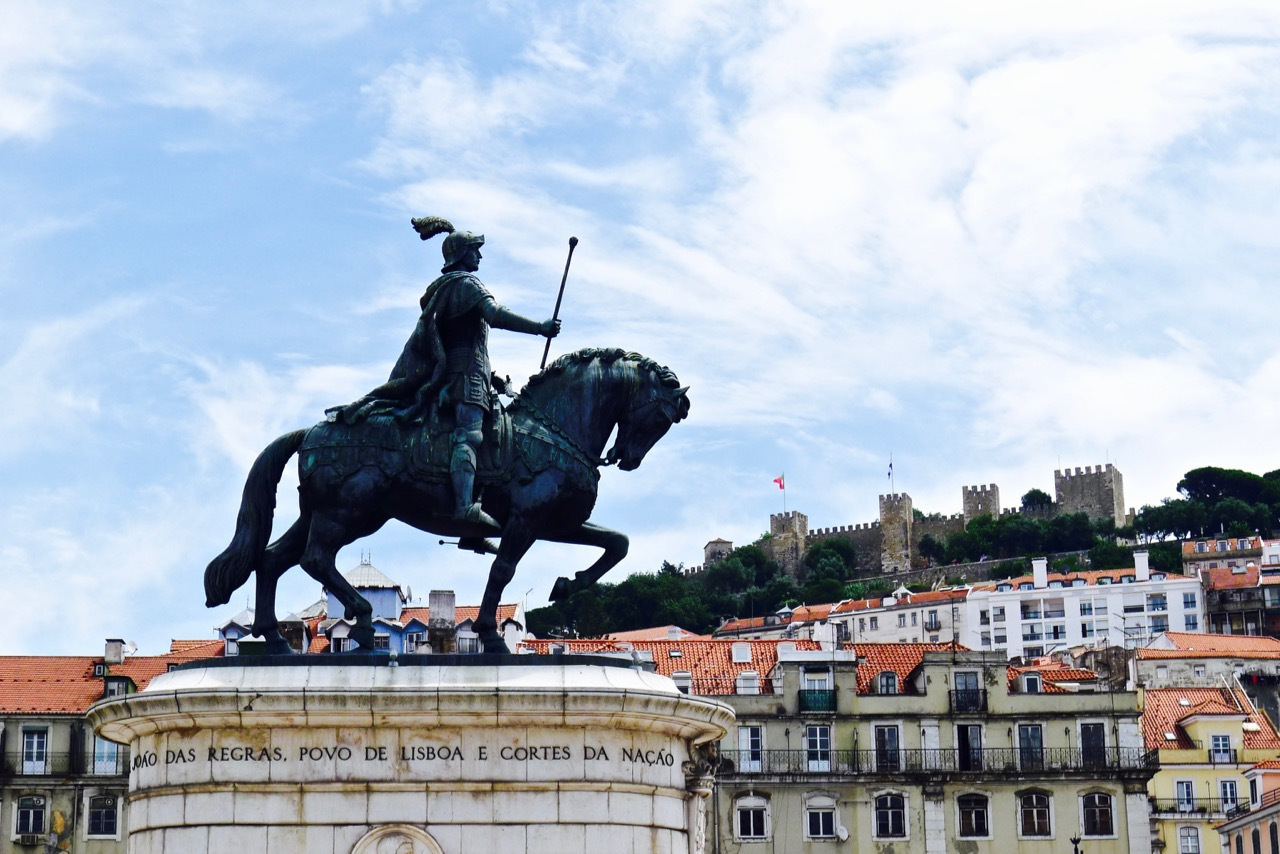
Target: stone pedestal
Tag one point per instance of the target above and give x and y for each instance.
(347, 754)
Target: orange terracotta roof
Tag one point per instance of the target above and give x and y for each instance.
(737, 625)
(1090, 576)
(1228, 578)
(1211, 707)
(655, 633)
(319, 643)
(811, 612)
(1189, 546)
(928, 597)
(48, 684)
(461, 613)
(1197, 645)
(1051, 674)
(901, 658)
(1162, 711)
(1266, 765)
(709, 663)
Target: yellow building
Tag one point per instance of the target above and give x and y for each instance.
(1207, 738)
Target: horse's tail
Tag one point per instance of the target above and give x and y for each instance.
(232, 568)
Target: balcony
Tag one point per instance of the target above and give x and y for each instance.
(817, 700)
(968, 700)
(1205, 809)
(64, 765)
(1224, 757)
(932, 625)
(1052, 760)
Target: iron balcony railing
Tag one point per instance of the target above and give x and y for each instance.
(969, 700)
(1234, 809)
(64, 765)
(818, 700)
(943, 760)
(1224, 757)
(1206, 807)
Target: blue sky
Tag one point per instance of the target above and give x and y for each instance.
(992, 239)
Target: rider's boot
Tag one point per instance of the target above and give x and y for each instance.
(462, 471)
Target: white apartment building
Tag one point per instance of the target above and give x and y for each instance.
(1037, 614)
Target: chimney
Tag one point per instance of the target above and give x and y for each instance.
(674, 633)
(115, 651)
(1141, 569)
(442, 625)
(1039, 573)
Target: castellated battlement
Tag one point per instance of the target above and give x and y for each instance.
(896, 499)
(792, 522)
(842, 530)
(1092, 470)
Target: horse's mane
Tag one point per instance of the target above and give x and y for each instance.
(607, 355)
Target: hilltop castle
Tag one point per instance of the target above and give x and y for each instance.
(891, 544)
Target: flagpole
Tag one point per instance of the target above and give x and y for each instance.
(784, 493)
(893, 490)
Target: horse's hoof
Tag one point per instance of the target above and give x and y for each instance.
(560, 590)
(494, 643)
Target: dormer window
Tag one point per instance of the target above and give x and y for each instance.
(117, 687)
(683, 680)
(99, 670)
(233, 647)
(1242, 543)
(887, 683)
(748, 682)
(742, 653)
(1031, 683)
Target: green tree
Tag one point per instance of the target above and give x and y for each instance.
(1034, 499)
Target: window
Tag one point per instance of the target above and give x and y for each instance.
(1099, 816)
(820, 817)
(997, 614)
(1033, 814)
(1162, 671)
(887, 683)
(817, 680)
(1274, 837)
(888, 754)
(915, 617)
(862, 625)
(1093, 745)
(31, 814)
(1031, 683)
(748, 683)
(1000, 638)
(1086, 609)
(412, 640)
(984, 618)
(1160, 624)
(1191, 623)
(1157, 602)
(1199, 671)
(974, 821)
(1031, 746)
(750, 748)
(1186, 794)
(106, 756)
(1255, 840)
(902, 620)
(1202, 547)
(875, 623)
(1230, 794)
(1189, 601)
(382, 642)
(35, 751)
(741, 653)
(1188, 840)
(1220, 748)
(753, 819)
(891, 816)
(817, 747)
(102, 816)
(340, 644)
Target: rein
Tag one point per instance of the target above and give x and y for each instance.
(565, 441)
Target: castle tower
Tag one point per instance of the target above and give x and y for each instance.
(786, 543)
(895, 532)
(716, 551)
(1097, 492)
(980, 501)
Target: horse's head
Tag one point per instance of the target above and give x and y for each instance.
(656, 405)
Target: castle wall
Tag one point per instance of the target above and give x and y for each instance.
(895, 532)
(980, 501)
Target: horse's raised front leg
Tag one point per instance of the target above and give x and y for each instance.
(517, 537)
(613, 542)
(319, 560)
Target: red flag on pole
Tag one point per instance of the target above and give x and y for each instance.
(780, 480)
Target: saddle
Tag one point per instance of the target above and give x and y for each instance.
(422, 449)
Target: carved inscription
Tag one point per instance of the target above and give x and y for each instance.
(410, 753)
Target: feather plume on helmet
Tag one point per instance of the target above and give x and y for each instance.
(455, 245)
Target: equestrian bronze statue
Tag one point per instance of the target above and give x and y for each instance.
(433, 447)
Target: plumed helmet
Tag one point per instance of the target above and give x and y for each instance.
(455, 245)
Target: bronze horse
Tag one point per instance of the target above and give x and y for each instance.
(351, 486)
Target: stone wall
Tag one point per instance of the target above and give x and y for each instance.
(1096, 491)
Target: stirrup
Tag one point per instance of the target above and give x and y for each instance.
(475, 515)
(479, 545)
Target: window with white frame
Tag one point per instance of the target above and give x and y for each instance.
(1199, 671)
(35, 751)
(1229, 792)
(902, 620)
(820, 817)
(750, 748)
(1188, 840)
(104, 815)
(817, 680)
(890, 816)
(975, 816)
(817, 747)
(1098, 814)
(875, 623)
(752, 819)
(1220, 748)
(1034, 810)
(748, 683)
(31, 815)
(413, 640)
(106, 756)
